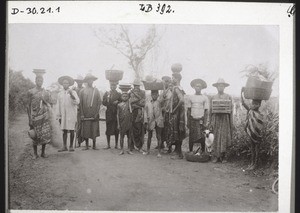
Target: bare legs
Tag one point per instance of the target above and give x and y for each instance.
(254, 156)
(108, 141)
(65, 137)
(122, 136)
(43, 155)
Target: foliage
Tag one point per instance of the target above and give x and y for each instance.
(18, 88)
(260, 70)
(134, 50)
(240, 148)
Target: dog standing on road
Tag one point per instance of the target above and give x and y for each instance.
(209, 140)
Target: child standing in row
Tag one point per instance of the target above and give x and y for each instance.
(124, 120)
(153, 120)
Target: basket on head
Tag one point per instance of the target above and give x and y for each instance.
(114, 75)
(154, 85)
(39, 72)
(124, 87)
(176, 68)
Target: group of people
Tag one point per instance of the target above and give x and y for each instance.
(129, 113)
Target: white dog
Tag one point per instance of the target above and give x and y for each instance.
(209, 140)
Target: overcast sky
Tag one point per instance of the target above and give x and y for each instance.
(205, 51)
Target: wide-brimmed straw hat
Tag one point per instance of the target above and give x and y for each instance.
(200, 82)
(221, 82)
(79, 79)
(137, 82)
(68, 78)
(90, 76)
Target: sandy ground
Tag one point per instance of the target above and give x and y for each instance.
(103, 180)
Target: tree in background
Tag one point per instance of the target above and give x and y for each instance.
(135, 50)
(18, 88)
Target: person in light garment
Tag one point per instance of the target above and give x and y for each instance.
(137, 101)
(111, 100)
(154, 120)
(253, 128)
(124, 121)
(68, 101)
(79, 81)
(197, 114)
(38, 111)
(90, 102)
(222, 124)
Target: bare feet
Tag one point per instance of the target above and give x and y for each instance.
(159, 155)
(35, 157)
(86, 148)
(129, 152)
(146, 153)
(71, 149)
(108, 147)
(63, 150)
(95, 148)
(43, 155)
(121, 153)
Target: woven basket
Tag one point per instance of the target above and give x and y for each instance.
(253, 82)
(257, 93)
(113, 75)
(153, 85)
(197, 158)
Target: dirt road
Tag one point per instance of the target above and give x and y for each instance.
(103, 180)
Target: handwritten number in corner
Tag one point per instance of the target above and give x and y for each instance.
(291, 10)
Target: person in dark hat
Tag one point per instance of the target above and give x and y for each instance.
(197, 114)
(90, 102)
(111, 100)
(67, 111)
(124, 119)
(79, 81)
(154, 120)
(177, 118)
(137, 101)
(221, 123)
(38, 114)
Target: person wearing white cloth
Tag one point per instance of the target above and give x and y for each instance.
(68, 101)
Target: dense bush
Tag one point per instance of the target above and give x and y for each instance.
(18, 88)
(240, 148)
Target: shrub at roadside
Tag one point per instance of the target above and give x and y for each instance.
(18, 88)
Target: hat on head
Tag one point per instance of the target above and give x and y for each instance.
(220, 82)
(79, 79)
(137, 82)
(198, 81)
(155, 91)
(68, 78)
(166, 78)
(90, 76)
(39, 72)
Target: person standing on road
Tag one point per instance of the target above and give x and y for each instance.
(79, 87)
(67, 111)
(39, 114)
(111, 100)
(253, 128)
(124, 119)
(137, 101)
(177, 118)
(90, 102)
(154, 120)
(197, 114)
(222, 124)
